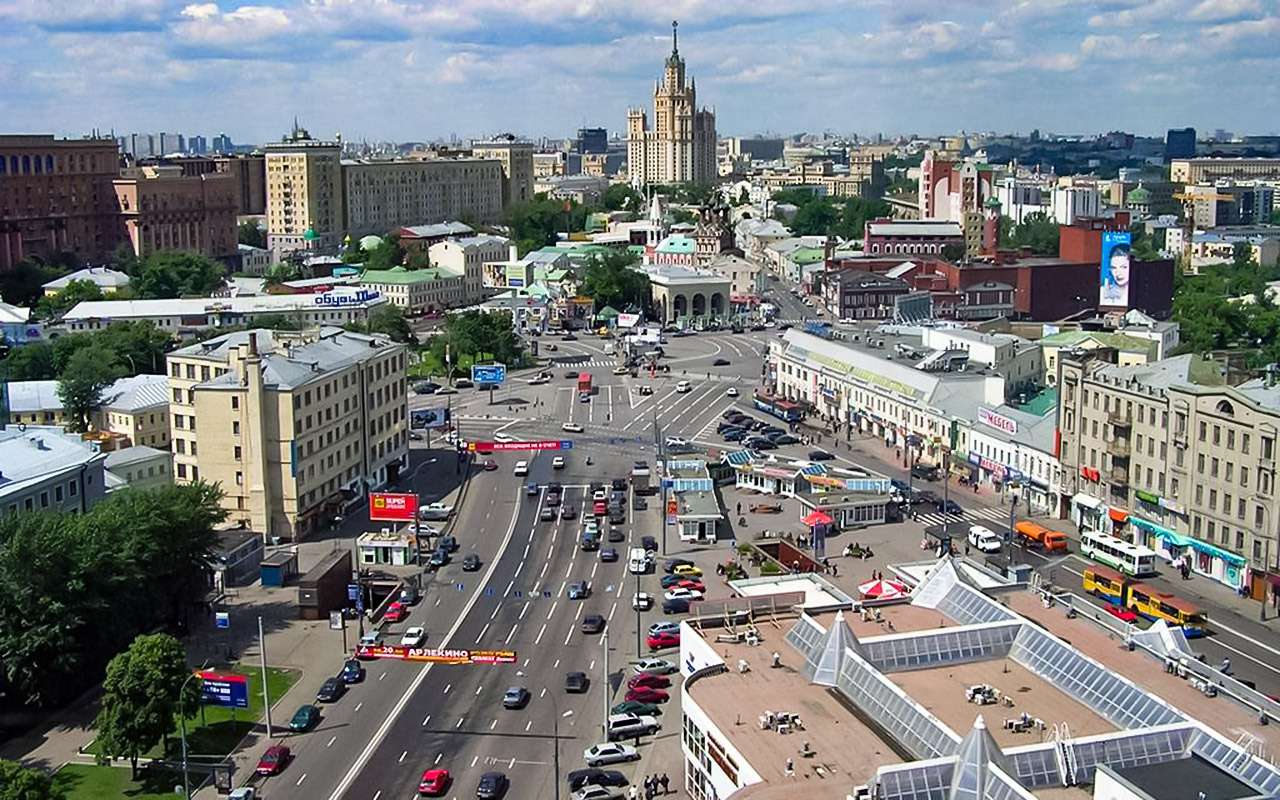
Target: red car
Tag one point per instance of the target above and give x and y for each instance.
(490, 465)
(599, 508)
(1120, 613)
(689, 583)
(650, 680)
(274, 760)
(646, 694)
(395, 612)
(658, 641)
(435, 782)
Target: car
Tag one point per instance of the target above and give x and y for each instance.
(669, 566)
(599, 493)
(489, 465)
(471, 563)
(395, 612)
(620, 370)
(243, 793)
(627, 726)
(820, 455)
(592, 776)
(415, 436)
(638, 503)
(572, 427)
(636, 707)
(331, 690)
(949, 507)
(984, 539)
(590, 541)
(609, 554)
(592, 623)
(649, 679)
(731, 392)
(690, 583)
(898, 485)
(371, 639)
(661, 641)
(414, 637)
(670, 581)
(647, 694)
(463, 383)
(644, 390)
(571, 374)
(617, 535)
(642, 601)
(434, 783)
(925, 496)
(557, 462)
(617, 517)
(609, 753)
(273, 760)
(648, 543)
(521, 468)
(553, 499)
(531, 490)
(730, 413)
(785, 438)
(576, 682)
(516, 697)
(492, 786)
(686, 569)
(924, 472)
(599, 508)
(594, 792)
(304, 719)
(661, 626)
(568, 337)
(579, 590)
(720, 362)
(654, 666)
(683, 387)
(439, 558)
(547, 514)
(568, 511)
(759, 443)
(352, 671)
(449, 543)
(734, 435)
(681, 593)
(435, 512)
(679, 606)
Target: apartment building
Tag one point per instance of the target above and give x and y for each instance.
(1209, 169)
(516, 158)
(304, 193)
(467, 256)
(292, 426)
(134, 408)
(379, 196)
(416, 291)
(1165, 455)
(162, 209)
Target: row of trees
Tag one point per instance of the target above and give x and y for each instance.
(160, 275)
(612, 280)
(76, 589)
(818, 215)
(476, 336)
(1209, 317)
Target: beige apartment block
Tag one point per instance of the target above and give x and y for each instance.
(516, 158)
(162, 209)
(293, 426)
(380, 196)
(681, 145)
(467, 256)
(304, 193)
(1167, 456)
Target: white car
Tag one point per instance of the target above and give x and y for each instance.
(593, 791)
(599, 755)
(557, 462)
(642, 601)
(371, 639)
(984, 539)
(681, 593)
(655, 666)
(414, 637)
(599, 495)
(731, 392)
(683, 387)
(503, 437)
(676, 441)
(572, 427)
(435, 511)
(664, 627)
(522, 468)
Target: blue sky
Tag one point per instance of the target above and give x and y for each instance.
(421, 69)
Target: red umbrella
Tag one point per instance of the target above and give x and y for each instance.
(817, 518)
(881, 589)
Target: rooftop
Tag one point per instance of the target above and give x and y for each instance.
(290, 360)
(915, 228)
(399, 276)
(435, 231)
(32, 455)
(1119, 341)
(126, 394)
(201, 306)
(102, 277)
(117, 459)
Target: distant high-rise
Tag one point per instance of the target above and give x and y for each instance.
(197, 145)
(1179, 143)
(592, 140)
(681, 147)
(222, 144)
(516, 156)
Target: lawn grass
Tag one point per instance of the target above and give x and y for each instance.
(216, 731)
(92, 782)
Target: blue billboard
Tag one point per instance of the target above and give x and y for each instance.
(224, 689)
(489, 373)
(1113, 276)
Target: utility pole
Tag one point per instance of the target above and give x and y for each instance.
(605, 694)
(266, 694)
(660, 444)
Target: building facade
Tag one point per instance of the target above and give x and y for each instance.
(681, 146)
(850, 294)
(516, 158)
(466, 256)
(304, 193)
(1208, 170)
(161, 209)
(418, 291)
(899, 237)
(46, 469)
(56, 197)
(293, 427)
(379, 196)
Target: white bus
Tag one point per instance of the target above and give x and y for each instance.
(1131, 559)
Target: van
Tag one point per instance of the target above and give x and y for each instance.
(522, 468)
(637, 561)
(1033, 533)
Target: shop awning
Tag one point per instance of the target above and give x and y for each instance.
(1180, 540)
(1082, 499)
(1119, 515)
(817, 518)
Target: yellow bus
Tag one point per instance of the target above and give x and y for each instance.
(1105, 583)
(1153, 604)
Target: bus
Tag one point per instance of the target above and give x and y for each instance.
(1131, 559)
(782, 409)
(1105, 583)
(584, 386)
(1144, 600)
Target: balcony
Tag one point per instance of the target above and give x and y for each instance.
(1119, 446)
(1120, 419)
(1119, 476)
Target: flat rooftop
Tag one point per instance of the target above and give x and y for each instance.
(890, 619)
(818, 593)
(942, 691)
(735, 701)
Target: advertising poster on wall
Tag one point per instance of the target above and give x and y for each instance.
(1115, 271)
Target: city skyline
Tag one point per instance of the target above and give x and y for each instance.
(479, 67)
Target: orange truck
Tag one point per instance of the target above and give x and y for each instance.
(1035, 534)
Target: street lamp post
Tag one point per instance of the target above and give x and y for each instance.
(555, 732)
(182, 721)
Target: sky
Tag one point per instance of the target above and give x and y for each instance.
(419, 70)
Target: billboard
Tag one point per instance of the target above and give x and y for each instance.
(393, 506)
(489, 373)
(489, 447)
(421, 419)
(1113, 276)
(628, 320)
(437, 655)
(223, 689)
(998, 421)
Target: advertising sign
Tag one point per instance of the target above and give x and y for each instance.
(628, 320)
(437, 655)
(490, 447)
(489, 373)
(1113, 276)
(346, 298)
(999, 422)
(224, 689)
(393, 506)
(421, 419)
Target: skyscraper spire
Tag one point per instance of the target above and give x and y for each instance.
(675, 49)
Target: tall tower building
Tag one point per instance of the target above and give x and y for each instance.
(516, 157)
(681, 147)
(304, 193)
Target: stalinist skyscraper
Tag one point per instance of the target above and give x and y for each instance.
(681, 148)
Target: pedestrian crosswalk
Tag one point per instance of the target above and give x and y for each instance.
(968, 515)
(570, 363)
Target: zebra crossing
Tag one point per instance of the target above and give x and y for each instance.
(974, 515)
(595, 362)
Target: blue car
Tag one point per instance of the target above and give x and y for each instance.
(950, 507)
(900, 486)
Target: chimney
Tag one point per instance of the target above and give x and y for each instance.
(513, 252)
(253, 343)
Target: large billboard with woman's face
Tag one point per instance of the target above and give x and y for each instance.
(1114, 277)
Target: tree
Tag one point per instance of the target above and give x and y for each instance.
(252, 235)
(30, 362)
(855, 213)
(1038, 232)
(814, 219)
(610, 279)
(88, 373)
(621, 197)
(953, 252)
(26, 783)
(744, 197)
(388, 255)
(177, 274)
(478, 336)
(52, 307)
(388, 320)
(24, 284)
(1242, 255)
(140, 697)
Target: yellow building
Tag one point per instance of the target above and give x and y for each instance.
(292, 426)
(681, 146)
(516, 158)
(379, 196)
(304, 193)
(135, 408)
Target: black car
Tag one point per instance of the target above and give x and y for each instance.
(734, 435)
(449, 543)
(675, 606)
(568, 511)
(785, 438)
(553, 498)
(759, 425)
(594, 776)
(471, 563)
(730, 413)
(571, 374)
(426, 387)
(568, 337)
(462, 383)
(639, 503)
(649, 543)
(439, 558)
(618, 484)
(352, 671)
(617, 535)
(616, 517)
(720, 362)
(304, 719)
(331, 690)
(589, 542)
(671, 563)
(924, 472)
(576, 682)
(949, 507)
(759, 443)
(592, 623)
(609, 554)
(492, 786)
(820, 455)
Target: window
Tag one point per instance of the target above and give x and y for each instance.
(57, 494)
(1244, 443)
(1244, 477)
(1204, 430)
(1268, 448)
(235, 428)
(44, 499)
(239, 478)
(72, 488)
(182, 470)
(180, 445)
(1217, 434)
(235, 402)
(236, 452)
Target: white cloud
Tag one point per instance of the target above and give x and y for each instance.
(1217, 10)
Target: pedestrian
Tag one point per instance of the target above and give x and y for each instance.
(835, 570)
(664, 780)
(633, 793)
(739, 507)
(648, 786)
(966, 548)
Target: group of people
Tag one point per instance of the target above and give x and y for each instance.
(652, 785)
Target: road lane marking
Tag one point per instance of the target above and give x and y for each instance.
(458, 724)
(439, 757)
(513, 633)
(426, 720)
(592, 666)
(483, 631)
(377, 794)
(528, 725)
(554, 603)
(383, 675)
(510, 584)
(493, 724)
(594, 566)
(524, 610)
(556, 665)
(478, 689)
(496, 609)
(539, 639)
(358, 705)
(543, 693)
(447, 687)
(474, 760)
(544, 569)
(300, 780)
(331, 741)
(612, 609)
(402, 757)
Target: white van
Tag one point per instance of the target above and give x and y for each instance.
(637, 561)
(683, 386)
(522, 468)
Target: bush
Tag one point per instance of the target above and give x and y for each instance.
(770, 568)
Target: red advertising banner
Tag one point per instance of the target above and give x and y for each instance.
(491, 447)
(392, 506)
(436, 655)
